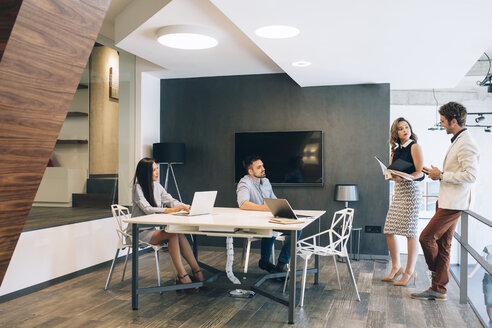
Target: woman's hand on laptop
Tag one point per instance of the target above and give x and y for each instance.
(178, 208)
(183, 208)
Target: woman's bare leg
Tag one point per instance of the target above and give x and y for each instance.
(172, 239)
(187, 253)
(394, 254)
(413, 251)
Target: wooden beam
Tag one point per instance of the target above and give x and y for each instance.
(40, 69)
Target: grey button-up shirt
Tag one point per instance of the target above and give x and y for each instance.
(248, 189)
(142, 207)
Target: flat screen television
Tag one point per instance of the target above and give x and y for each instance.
(292, 158)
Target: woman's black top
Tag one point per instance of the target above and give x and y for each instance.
(405, 154)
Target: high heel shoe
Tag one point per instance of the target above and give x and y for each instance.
(194, 277)
(179, 281)
(393, 278)
(405, 283)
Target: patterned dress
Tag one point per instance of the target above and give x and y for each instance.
(403, 214)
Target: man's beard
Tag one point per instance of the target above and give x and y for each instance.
(261, 175)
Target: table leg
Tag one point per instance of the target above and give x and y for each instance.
(316, 257)
(195, 246)
(135, 266)
(292, 277)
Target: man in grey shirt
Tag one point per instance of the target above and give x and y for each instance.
(251, 190)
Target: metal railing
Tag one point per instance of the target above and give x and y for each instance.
(465, 249)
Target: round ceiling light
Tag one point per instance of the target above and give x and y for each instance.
(301, 63)
(186, 37)
(277, 31)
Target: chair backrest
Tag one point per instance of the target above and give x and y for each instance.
(119, 213)
(341, 226)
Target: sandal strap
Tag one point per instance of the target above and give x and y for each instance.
(183, 276)
(197, 271)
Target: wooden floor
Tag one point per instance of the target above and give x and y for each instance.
(45, 217)
(82, 302)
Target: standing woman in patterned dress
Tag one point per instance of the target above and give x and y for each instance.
(403, 214)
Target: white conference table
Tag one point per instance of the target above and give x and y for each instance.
(241, 224)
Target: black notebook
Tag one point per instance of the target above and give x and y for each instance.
(400, 165)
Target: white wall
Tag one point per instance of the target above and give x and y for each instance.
(127, 127)
(148, 107)
(42, 255)
(139, 118)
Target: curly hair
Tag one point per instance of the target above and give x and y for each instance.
(394, 140)
(454, 110)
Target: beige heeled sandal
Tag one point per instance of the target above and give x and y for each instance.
(393, 278)
(413, 277)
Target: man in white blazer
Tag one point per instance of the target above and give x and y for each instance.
(460, 169)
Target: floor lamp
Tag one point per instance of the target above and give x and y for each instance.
(170, 153)
(346, 193)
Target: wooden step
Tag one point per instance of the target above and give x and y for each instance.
(92, 200)
(99, 186)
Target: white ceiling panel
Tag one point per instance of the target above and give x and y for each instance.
(409, 44)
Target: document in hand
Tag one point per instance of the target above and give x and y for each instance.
(387, 172)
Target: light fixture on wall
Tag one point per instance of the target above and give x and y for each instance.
(437, 125)
(479, 118)
(170, 153)
(187, 37)
(487, 80)
(277, 31)
(346, 193)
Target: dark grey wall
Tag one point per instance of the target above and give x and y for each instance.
(204, 113)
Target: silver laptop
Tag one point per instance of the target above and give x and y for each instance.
(203, 203)
(282, 209)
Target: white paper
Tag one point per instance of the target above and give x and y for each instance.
(387, 175)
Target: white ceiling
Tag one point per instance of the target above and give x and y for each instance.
(410, 44)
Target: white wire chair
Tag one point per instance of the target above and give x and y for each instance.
(124, 241)
(338, 235)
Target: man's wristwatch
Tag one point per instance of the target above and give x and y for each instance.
(441, 176)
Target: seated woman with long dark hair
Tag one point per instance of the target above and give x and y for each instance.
(148, 197)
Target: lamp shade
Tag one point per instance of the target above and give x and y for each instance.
(346, 193)
(169, 152)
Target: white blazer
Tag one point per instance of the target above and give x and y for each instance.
(460, 169)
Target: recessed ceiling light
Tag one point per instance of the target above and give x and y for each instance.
(301, 63)
(277, 31)
(186, 37)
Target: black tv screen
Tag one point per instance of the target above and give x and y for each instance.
(290, 158)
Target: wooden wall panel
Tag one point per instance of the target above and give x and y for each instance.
(41, 66)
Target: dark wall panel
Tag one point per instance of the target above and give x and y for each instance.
(204, 113)
(8, 13)
(41, 66)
